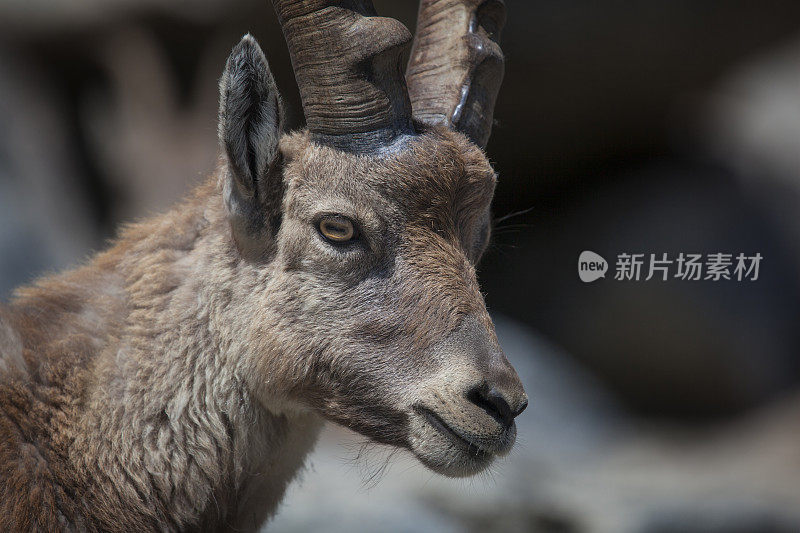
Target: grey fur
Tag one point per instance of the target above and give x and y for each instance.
(250, 125)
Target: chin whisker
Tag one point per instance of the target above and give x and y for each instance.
(371, 460)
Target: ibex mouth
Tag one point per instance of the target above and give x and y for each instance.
(442, 427)
(453, 450)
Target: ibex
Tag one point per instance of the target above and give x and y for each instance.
(178, 380)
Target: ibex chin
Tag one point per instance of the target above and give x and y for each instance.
(178, 380)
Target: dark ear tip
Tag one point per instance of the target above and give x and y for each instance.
(248, 41)
(247, 50)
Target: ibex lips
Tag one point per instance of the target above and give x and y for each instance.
(440, 425)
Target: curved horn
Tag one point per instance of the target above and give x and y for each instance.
(456, 64)
(347, 62)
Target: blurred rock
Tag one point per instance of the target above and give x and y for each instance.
(45, 220)
(752, 121)
(752, 125)
(150, 146)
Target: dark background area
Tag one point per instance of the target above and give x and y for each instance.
(638, 127)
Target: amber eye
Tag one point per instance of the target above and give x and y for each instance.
(337, 229)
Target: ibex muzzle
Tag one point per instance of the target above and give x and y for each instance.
(467, 410)
(178, 380)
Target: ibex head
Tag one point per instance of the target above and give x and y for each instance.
(366, 227)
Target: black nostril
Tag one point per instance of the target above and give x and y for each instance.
(493, 402)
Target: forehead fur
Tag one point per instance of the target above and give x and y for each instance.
(436, 175)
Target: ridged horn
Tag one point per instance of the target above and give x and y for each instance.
(456, 65)
(347, 62)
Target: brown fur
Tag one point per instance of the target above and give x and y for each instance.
(178, 380)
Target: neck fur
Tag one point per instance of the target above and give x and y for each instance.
(163, 426)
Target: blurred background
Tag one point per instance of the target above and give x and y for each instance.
(645, 126)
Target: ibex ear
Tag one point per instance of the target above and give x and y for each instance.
(250, 125)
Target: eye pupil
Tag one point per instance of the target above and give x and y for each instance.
(336, 229)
